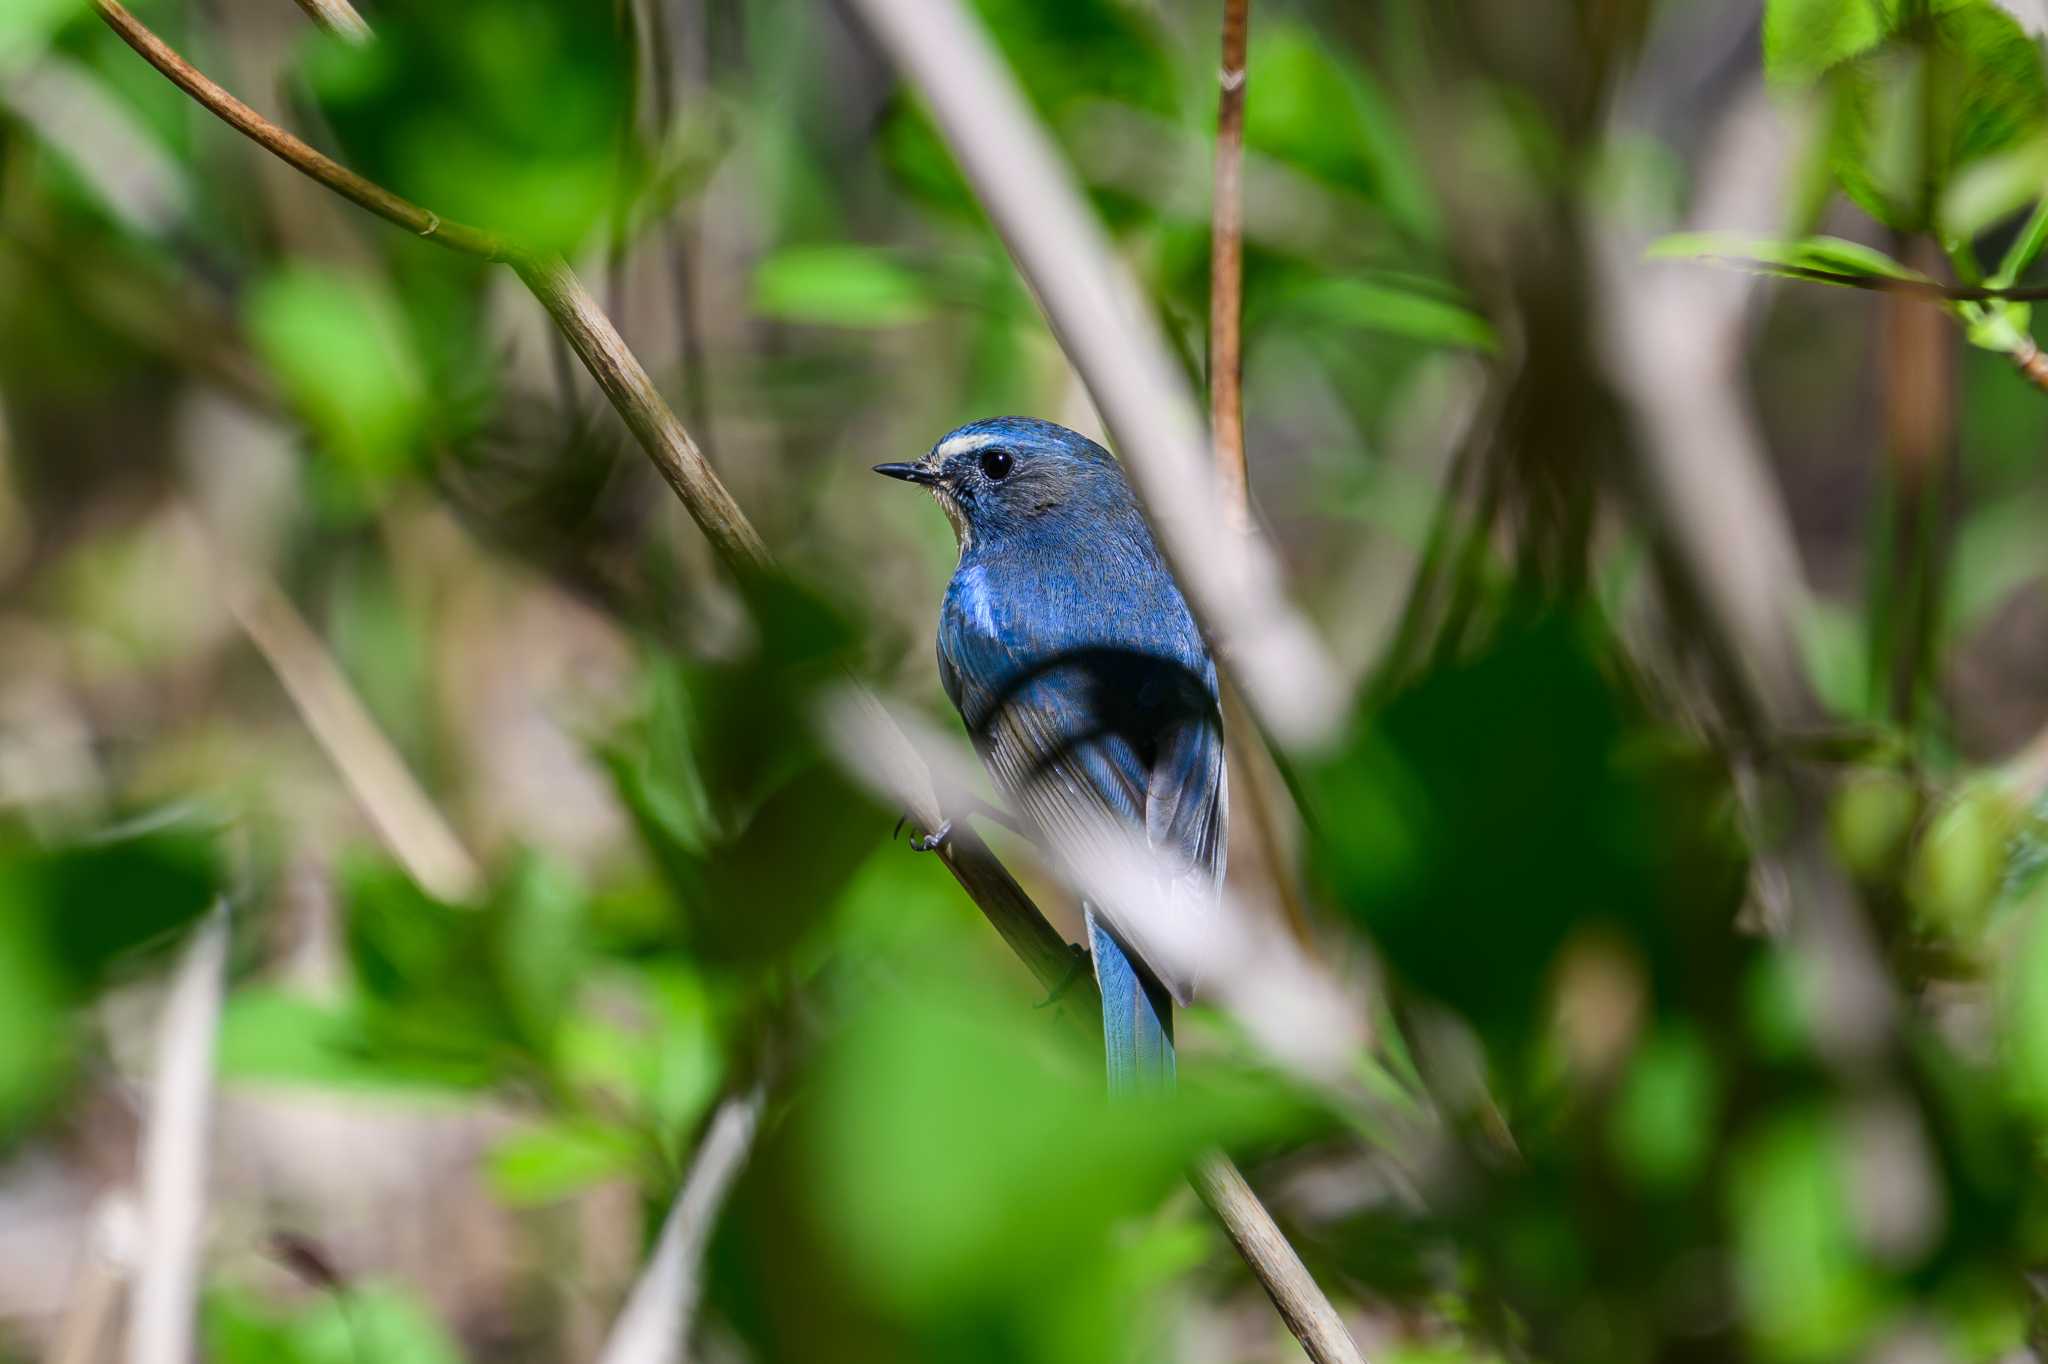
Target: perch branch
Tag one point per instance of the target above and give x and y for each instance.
(1258, 789)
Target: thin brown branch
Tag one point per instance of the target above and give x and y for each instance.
(1226, 274)
(2031, 363)
(626, 383)
(293, 151)
(1308, 1314)
(1259, 791)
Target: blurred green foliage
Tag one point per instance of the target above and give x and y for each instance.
(514, 116)
(1599, 1120)
(78, 914)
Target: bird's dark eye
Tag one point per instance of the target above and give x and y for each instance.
(997, 463)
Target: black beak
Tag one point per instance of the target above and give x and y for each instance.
(909, 473)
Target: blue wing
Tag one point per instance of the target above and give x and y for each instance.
(1080, 717)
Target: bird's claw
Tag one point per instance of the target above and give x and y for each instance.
(934, 840)
(1074, 969)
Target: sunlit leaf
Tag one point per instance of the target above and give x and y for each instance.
(339, 347)
(1809, 1291)
(506, 113)
(841, 286)
(1662, 1125)
(550, 1161)
(1392, 308)
(1799, 259)
(26, 26)
(365, 1322)
(1803, 38)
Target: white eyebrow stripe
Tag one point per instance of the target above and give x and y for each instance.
(961, 444)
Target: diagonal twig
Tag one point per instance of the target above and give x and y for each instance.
(390, 796)
(293, 150)
(654, 1328)
(161, 1323)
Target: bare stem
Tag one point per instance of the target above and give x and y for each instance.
(654, 1328)
(162, 1322)
(1308, 1314)
(1258, 790)
(401, 812)
(625, 382)
(1226, 273)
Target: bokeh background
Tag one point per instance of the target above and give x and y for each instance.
(1694, 617)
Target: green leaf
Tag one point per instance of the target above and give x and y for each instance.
(1990, 190)
(339, 347)
(1318, 112)
(364, 1323)
(550, 1161)
(26, 27)
(1789, 259)
(1662, 1126)
(1803, 38)
(1397, 309)
(271, 1036)
(1810, 1294)
(34, 1042)
(512, 114)
(839, 286)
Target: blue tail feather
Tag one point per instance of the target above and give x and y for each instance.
(1137, 1017)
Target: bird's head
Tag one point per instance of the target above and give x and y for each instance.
(1006, 474)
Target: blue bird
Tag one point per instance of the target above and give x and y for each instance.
(1086, 688)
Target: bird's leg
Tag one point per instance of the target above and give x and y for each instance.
(934, 840)
(973, 806)
(1079, 964)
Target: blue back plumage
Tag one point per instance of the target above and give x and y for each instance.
(1087, 688)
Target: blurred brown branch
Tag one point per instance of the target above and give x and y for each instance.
(403, 815)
